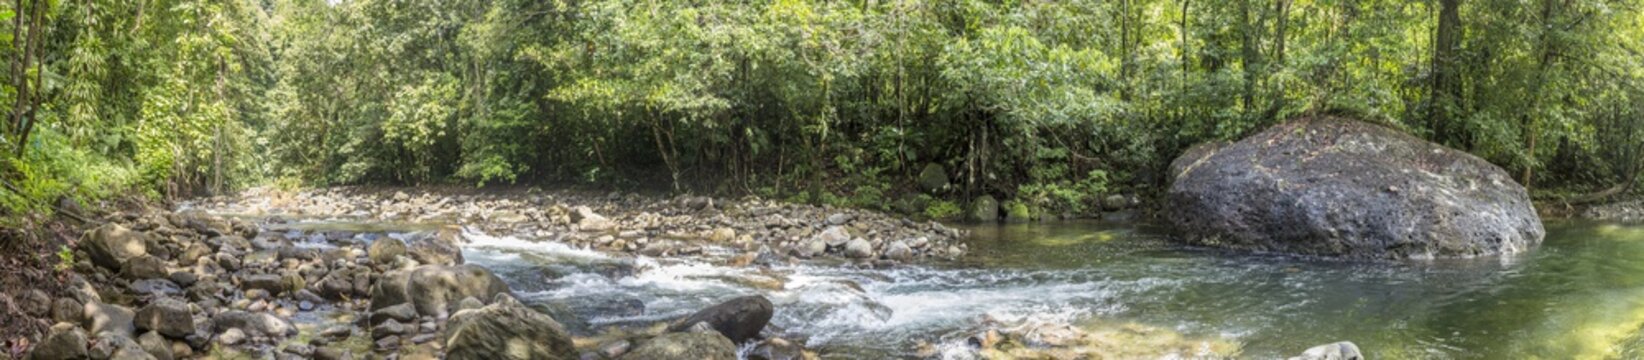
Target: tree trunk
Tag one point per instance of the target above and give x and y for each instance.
(1446, 91)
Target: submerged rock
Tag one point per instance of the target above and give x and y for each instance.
(739, 319)
(506, 330)
(1338, 187)
(684, 346)
(1345, 350)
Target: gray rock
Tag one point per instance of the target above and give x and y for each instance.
(34, 302)
(155, 345)
(63, 341)
(169, 317)
(442, 249)
(155, 287)
(1337, 187)
(588, 220)
(330, 353)
(1345, 350)
(102, 318)
(984, 209)
(383, 251)
(402, 313)
(933, 178)
(738, 319)
(231, 337)
(271, 283)
(839, 219)
(834, 236)
(776, 349)
(506, 330)
(811, 248)
(387, 328)
(859, 248)
(684, 346)
(119, 347)
(435, 290)
(67, 310)
(252, 324)
(1115, 202)
(899, 251)
(111, 245)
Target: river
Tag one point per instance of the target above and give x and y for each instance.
(1578, 296)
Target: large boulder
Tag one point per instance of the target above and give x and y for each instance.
(684, 346)
(506, 330)
(111, 245)
(253, 324)
(1338, 187)
(983, 209)
(384, 250)
(933, 178)
(435, 290)
(101, 318)
(739, 319)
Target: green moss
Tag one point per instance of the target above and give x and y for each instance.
(943, 210)
(1018, 212)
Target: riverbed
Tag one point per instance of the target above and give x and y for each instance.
(1580, 295)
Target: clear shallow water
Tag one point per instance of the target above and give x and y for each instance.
(1580, 295)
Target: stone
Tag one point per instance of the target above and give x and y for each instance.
(435, 290)
(34, 303)
(101, 318)
(722, 234)
(384, 250)
(169, 317)
(438, 250)
(776, 349)
(684, 346)
(119, 347)
(271, 283)
(1115, 202)
(252, 324)
(387, 328)
(143, 267)
(1017, 212)
(1337, 187)
(506, 330)
(834, 236)
(1345, 350)
(859, 248)
(402, 313)
(738, 319)
(330, 353)
(933, 178)
(899, 251)
(156, 287)
(984, 209)
(109, 246)
(64, 341)
(811, 248)
(231, 337)
(67, 310)
(839, 219)
(155, 345)
(588, 220)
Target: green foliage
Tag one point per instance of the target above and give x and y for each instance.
(65, 258)
(944, 210)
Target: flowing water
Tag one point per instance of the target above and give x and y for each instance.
(1578, 296)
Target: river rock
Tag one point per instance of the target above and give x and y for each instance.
(859, 248)
(67, 310)
(776, 349)
(64, 341)
(271, 283)
(252, 324)
(834, 236)
(1115, 202)
(101, 318)
(169, 317)
(506, 330)
(739, 319)
(143, 267)
(442, 249)
(111, 245)
(118, 347)
(1337, 187)
(34, 303)
(384, 250)
(435, 290)
(684, 346)
(984, 209)
(933, 178)
(588, 220)
(155, 345)
(899, 251)
(1345, 350)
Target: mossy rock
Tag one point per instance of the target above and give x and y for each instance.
(984, 208)
(933, 178)
(1018, 212)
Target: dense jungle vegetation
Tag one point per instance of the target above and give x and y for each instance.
(1050, 104)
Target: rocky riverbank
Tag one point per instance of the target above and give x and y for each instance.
(623, 222)
(232, 277)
